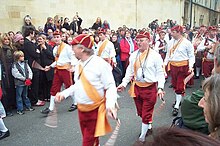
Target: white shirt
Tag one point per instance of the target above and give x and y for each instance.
(157, 44)
(184, 51)
(201, 47)
(66, 56)
(152, 69)
(99, 73)
(108, 52)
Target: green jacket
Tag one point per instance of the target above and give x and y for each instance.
(192, 114)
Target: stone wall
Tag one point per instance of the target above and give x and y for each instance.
(133, 13)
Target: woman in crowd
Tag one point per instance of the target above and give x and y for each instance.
(179, 137)
(18, 42)
(11, 35)
(211, 104)
(114, 40)
(66, 24)
(97, 24)
(105, 25)
(49, 25)
(27, 23)
(128, 46)
(7, 84)
(95, 45)
(46, 57)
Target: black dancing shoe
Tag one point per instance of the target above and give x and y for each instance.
(149, 132)
(171, 86)
(196, 77)
(4, 134)
(46, 111)
(72, 108)
(175, 112)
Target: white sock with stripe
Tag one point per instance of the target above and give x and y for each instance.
(2, 126)
(144, 128)
(52, 102)
(178, 100)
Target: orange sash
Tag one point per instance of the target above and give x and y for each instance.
(59, 50)
(102, 47)
(102, 126)
(172, 50)
(178, 63)
(136, 67)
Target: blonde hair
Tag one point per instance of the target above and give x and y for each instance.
(17, 55)
(212, 85)
(2, 38)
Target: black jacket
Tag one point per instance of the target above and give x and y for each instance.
(30, 53)
(47, 58)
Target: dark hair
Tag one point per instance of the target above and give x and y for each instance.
(180, 137)
(29, 30)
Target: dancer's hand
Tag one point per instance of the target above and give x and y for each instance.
(59, 97)
(120, 88)
(47, 68)
(112, 113)
(160, 94)
(190, 70)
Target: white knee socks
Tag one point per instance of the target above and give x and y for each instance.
(2, 126)
(144, 128)
(52, 102)
(197, 71)
(178, 100)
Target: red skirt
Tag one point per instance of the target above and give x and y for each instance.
(87, 122)
(145, 100)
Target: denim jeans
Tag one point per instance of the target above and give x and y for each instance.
(21, 95)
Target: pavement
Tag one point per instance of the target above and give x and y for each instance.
(29, 129)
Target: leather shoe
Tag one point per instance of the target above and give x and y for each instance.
(149, 132)
(4, 134)
(139, 143)
(46, 111)
(171, 86)
(196, 77)
(175, 112)
(72, 108)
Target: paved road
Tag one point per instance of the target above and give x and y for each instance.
(29, 129)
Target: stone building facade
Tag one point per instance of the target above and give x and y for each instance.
(133, 13)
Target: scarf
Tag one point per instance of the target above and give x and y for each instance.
(131, 44)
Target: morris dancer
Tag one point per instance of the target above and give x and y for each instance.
(95, 94)
(180, 59)
(63, 64)
(146, 71)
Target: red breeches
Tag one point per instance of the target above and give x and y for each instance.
(61, 76)
(145, 100)
(178, 74)
(87, 122)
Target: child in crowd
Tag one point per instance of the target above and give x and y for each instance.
(22, 76)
